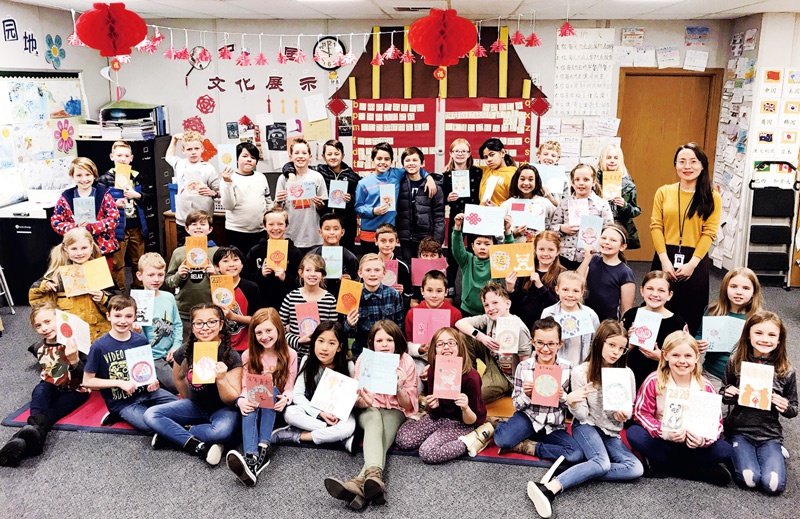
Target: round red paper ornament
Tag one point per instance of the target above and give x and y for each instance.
(111, 29)
(116, 64)
(442, 36)
(440, 73)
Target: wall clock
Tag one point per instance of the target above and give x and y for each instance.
(329, 49)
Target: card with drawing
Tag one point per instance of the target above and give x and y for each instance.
(589, 232)
(71, 327)
(277, 254)
(578, 208)
(617, 389)
(260, 390)
(378, 372)
(575, 324)
(644, 331)
(307, 315)
(507, 258)
(73, 280)
(554, 178)
(755, 385)
(196, 252)
(222, 291)
(483, 220)
(447, 378)
(722, 332)
(421, 266)
(204, 363)
(460, 180)
(702, 414)
(145, 301)
(390, 278)
(301, 190)
(335, 394)
(546, 385)
(333, 261)
(612, 184)
(349, 296)
(427, 321)
(387, 194)
(506, 333)
(338, 190)
(141, 368)
(84, 210)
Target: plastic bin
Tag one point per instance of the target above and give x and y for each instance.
(173, 190)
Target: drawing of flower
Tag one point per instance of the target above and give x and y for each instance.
(54, 53)
(64, 136)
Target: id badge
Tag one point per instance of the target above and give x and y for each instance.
(678, 260)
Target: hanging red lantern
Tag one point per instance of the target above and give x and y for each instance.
(441, 37)
(111, 29)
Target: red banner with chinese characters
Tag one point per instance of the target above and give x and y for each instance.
(400, 122)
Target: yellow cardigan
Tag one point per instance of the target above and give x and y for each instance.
(665, 221)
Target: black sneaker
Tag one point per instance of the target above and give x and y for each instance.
(243, 467)
(263, 459)
(158, 442)
(110, 418)
(717, 475)
(542, 498)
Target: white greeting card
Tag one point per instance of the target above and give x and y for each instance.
(489, 187)
(141, 368)
(460, 179)
(333, 261)
(71, 327)
(577, 208)
(305, 190)
(554, 178)
(701, 415)
(336, 195)
(387, 193)
(722, 332)
(575, 324)
(528, 213)
(145, 303)
(378, 372)
(336, 394)
(617, 389)
(506, 333)
(84, 211)
(589, 233)
(483, 220)
(644, 331)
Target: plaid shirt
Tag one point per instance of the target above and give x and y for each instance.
(548, 418)
(384, 303)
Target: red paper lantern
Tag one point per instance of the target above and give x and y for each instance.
(111, 29)
(442, 36)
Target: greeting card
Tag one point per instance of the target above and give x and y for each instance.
(122, 176)
(508, 258)
(701, 415)
(575, 324)
(447, 377)
(349, 296)
(612, 184)
(307, 318)
(226, 156)
(577, 208)
(546, 383)
(617, 389)
(387, 194)
(197, 252)
(722, 332)
(145, 301)
(554, 178)
(333, 261)
(84, 210)
(460, 179)
(377, 372)
(141, 367)
(528, 213)
(489, 187)
(755, 385)
(98, 275)
(336, 195)
(589, 232)
(644, 331)
(277, 254)
(192, 182)
(506, 333)
(204, 363)
(421, 266)
(427, 321)
(483, 220)
(70, 327)
(73, 280)
(305, 190)
(260, 390)
(391, 275)
(222, 291)
(336, 394)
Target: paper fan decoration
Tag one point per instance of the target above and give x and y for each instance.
(282, 59)
(299, 56)
(517, 38)
(479, 51)
(182, 54)
(261, 60)
(377, 60)
(225, 52)
(533, 40)
(566, 30)
(244, 59)
(392, 52)
(498, 46)
(408, 57)
(348, 59)
(157, 38)
(170, 53)
(204, 55)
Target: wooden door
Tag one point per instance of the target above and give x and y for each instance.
(659, 111)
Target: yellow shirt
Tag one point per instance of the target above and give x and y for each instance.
(501, 189)
(665, 221)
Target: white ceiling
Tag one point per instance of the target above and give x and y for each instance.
(472, 9)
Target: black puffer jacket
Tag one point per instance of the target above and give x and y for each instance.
(424, 217)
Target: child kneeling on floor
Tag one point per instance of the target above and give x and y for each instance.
(56, 395)
(381, 418)
(437, 434)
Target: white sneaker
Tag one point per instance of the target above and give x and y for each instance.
(785, 452)
(552, 470)
(543, 503)
(214, 454)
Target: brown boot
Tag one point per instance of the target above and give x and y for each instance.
(374, 488)
(478, 439)
(494, 420)
(345, 490)
(524, 447)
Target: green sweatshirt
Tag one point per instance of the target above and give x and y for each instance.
(194, 289)
(475, 273)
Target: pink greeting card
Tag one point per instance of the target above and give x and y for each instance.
(447, 378)
(428, 321)
(546, 382)
(259, 390)
(420, 267)
(392, 268)
(307, 318)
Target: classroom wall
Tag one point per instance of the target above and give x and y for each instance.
(42, 21)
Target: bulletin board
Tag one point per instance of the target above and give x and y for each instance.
(39, 114)
(399, 122)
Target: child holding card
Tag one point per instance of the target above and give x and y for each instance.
(107, 370)
(372, 209)
(312, 289)
(332, 227)
(267, 354)
(89, 207)
(244, 194)
(461, 160)
(378, 302)
(198, 182)
(675, 451)
(303, 212)
(497, 172)
(475, 267)
(273, 283)
(208, 408)
(130, 199)
(581, 201)
(739, 297)
(437, 434)
(229, 261)
(531, 295)
(656, 290)
(166, 332)
(598, 421)
(77, 247)
(307, 423)
(497, 380)
(527, 188)
(191, 284)
(57, 394)
(624, 206)
(756, 435)
(535, 429)
(387, 241)
(381, 418)
(429, 249)
(418, 216)
(434, 290)
(609, 280)
(582, 320)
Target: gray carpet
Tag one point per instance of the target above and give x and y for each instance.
(98, 475)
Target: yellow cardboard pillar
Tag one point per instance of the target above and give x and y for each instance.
(376, 70)
(526, 89)
(406, 68)
(503, 72)
(443, 85)
(472, 77)
(351, 81)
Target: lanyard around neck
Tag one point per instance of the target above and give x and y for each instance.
(682, 216)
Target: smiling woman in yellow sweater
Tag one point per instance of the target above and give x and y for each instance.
(683, 226)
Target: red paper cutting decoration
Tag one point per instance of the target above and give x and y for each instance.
(157, 38)
(299, 56)
(479, 51)
(518, 38)
(282, 59)
(182, 54)
(348, 59)
(170, 53)
(194, 123)
(225, 52)
(244, 59)
(392, 52)
(206, 104)
(442, 36)
(261, 59)
(498, 46)
(377, 60)
(245, 121)
(317, 56)
(111, 29)
(540, 106)
(204, 55)
(73, 40)
(336, 106)
(408, 57)
(440, 73)
(209, 150)
(533, 40)
(566, 30)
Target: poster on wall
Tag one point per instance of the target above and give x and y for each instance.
(584, 71)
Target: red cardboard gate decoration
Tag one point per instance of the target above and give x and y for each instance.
(480, 118)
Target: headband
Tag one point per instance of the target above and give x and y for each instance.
(619, 231)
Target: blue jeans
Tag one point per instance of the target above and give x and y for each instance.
(548, 446)
(48, 400)
(257, 426)
(209, 427)
(677, 457)
(607, 458)
(135, 408)
(759, 465)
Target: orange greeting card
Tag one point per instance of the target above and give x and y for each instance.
(612, 184)
(259, 390)
(222, 291)
(349, 296)
(504, 259)
(122, 176)
(277, 254)
(196, 252)
(204, 363)
(98, 275)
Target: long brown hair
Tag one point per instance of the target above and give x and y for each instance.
(461, 340)
(672, 341)
(400, 343)
(607, 329)
(723, 305)
(551, 276)
(255, 350)
(744, 348)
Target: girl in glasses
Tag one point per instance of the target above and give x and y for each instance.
(437, 434)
